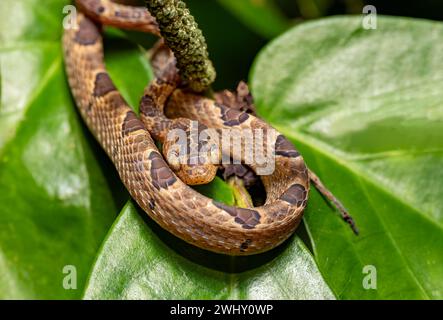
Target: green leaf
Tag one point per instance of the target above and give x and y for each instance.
(56, 206)
(122, 57)
(60, 194)
(217, 189)
(365, 109)
(140, 261)
(262, 16)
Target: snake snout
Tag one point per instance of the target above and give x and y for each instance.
(197, 174)
(192, 169)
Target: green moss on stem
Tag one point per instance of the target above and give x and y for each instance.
(181, 33)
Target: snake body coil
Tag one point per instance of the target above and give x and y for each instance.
(156, 188)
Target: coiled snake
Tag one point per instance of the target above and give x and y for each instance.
(149, 179)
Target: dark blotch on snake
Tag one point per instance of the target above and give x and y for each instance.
(117, 101)
(87, 34)
(103, 84)
(245, 245)
(162, 176)
(247, 218)
(131, 123)
(151, 204)
(231, 117)
(283, 147)
(148, 107)
(296, 195)
(246, 174)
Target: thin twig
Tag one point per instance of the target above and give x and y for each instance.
(328, 195)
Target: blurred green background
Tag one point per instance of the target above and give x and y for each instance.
(250, 24)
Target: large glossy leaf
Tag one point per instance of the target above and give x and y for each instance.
(56, 206)
(59, 192)
(140, 261)
(365, 109)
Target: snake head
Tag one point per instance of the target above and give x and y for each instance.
(191, 154)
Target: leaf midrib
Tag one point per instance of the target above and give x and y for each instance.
(352, 168)
(309, 141)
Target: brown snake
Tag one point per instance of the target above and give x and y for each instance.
(126, 139)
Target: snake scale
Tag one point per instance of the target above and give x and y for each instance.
(127, 140)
